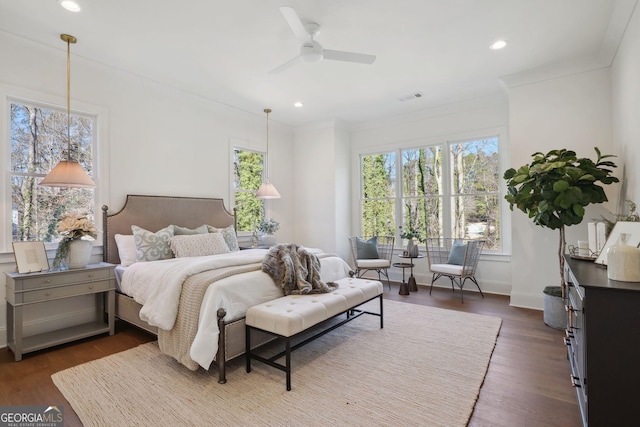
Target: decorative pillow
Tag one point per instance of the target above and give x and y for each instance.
(367, 249)
(198, 245)
(152, 246)
(229, 235)
(183, 231)
(126, 249)
(456, 255)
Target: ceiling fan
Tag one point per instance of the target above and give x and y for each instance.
(311, 50)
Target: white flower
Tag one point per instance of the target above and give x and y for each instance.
(74, 225)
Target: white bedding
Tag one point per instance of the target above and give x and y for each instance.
(156, 286)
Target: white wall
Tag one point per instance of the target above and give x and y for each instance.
(572, 112)
(321, 180)
(625, 83)
(474, 118)
(159, 140)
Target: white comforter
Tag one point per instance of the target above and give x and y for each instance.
(157, 285)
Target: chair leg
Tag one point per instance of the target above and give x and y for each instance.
(386, 273)
(473, 279)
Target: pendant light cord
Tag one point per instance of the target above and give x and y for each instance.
(267, 110)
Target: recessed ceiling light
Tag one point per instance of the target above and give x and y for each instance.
(498, 44)
(70, 5)
(298, 104)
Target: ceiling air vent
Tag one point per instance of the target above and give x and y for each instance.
(410, 97)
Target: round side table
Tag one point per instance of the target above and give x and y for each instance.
(413, 286)
(404, 287)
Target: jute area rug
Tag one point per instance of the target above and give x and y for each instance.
(425, 368)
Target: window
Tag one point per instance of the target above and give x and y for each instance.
(38, 141)
(445, 190)
(378, 194)
(248, 169)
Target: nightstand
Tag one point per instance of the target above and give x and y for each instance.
(40, 288)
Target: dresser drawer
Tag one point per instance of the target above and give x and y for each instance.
(53, 280)
(38, 295)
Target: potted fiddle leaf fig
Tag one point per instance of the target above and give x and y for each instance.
(553, 191)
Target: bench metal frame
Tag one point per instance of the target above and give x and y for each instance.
(352, 314)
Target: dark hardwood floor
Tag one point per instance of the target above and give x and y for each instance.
(527, 383)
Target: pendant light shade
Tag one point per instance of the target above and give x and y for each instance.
(267, 190)
(68, 173)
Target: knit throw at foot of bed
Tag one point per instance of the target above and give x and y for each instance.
(424, 368)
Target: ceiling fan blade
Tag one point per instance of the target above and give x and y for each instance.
(286, 65)
(338, 55)
(292, 18)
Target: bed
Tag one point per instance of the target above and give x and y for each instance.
(228, 283)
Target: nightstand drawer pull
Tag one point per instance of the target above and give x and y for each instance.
(47, 281)
(48, 294)
(91, 275)
(90, 287)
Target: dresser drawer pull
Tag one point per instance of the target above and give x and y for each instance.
(569, 309)
(575, 381)
(91, 287)
(90, 275)
(47, 281)
(48, 294)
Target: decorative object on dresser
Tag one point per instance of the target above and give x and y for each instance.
(30, 257)
(554, 190)
(267, 228)
(40, 288)
(623, 261)
(73, 250)
(603, 326)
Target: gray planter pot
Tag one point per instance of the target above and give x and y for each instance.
(555, 315)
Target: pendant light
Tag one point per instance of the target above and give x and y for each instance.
(267, 190)
(68, 173)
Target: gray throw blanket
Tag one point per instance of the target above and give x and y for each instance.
(295, 270)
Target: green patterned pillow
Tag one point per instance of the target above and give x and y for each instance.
(229, 235)
(152, 246)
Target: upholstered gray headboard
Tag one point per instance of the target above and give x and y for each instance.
(156, 212)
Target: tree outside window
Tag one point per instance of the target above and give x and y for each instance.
(38, 143)
(248, 170)
(446, 190)
(378, 194)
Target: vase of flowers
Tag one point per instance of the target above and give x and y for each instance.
(413, 236)
(267, 228)
(74, 250)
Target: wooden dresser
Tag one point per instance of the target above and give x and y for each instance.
(44, 287)
(603, 344)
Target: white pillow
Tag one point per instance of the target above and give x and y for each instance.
(198, 245)
(126, 249)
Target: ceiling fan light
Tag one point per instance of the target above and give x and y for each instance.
(311, 53)
(498, 44)
(70, 5)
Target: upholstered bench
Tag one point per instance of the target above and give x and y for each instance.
(292, 315)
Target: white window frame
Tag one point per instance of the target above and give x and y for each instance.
(445, 142)
(100, 153)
